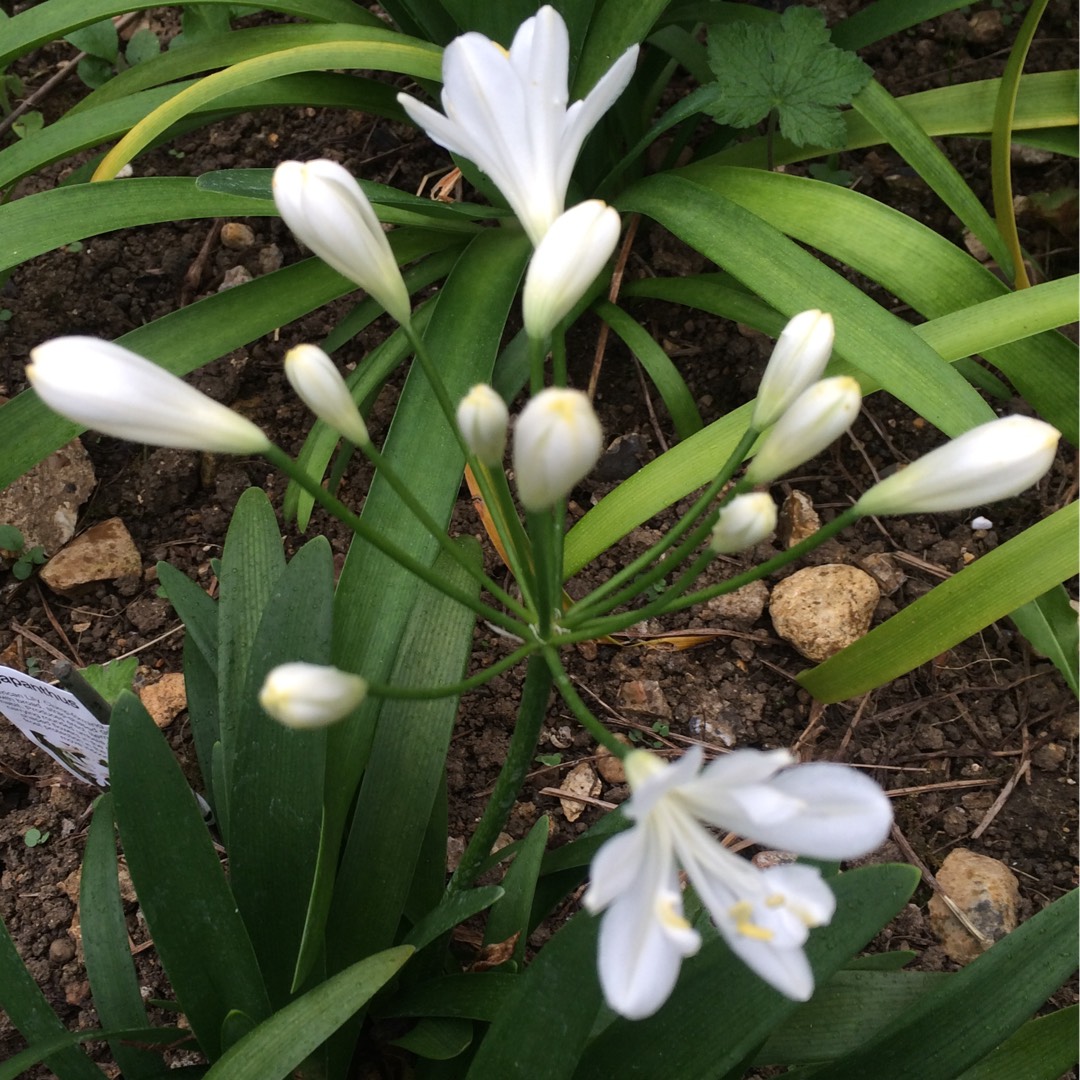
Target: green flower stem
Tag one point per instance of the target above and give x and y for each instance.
(435, 380)
(587, 605)
(612, 624)
(545, 539)
(428, 693)
(572, 698)
(500, 504)
(531, 713)
(277, 457)
(403, 492)
(537, 356)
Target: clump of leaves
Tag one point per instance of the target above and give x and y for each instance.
(787, 70)
(25, 559)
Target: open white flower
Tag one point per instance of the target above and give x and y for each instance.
(822, 810)
(802, 350)
(109, 388)
(557, 441)
(319, 385)
(301, 695)
(326, 208)
(989, 462)
(507, 113)
(566, 262)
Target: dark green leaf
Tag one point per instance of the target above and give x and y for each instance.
(437, 1039)
(97, 39)
(144, 45)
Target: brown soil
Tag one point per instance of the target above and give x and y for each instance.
(946, 739)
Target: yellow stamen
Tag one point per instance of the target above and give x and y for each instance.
(741, 913)
(667, 913)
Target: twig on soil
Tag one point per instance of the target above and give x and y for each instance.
(585, 800)
(194, 274)
(855, 720)
(153, 641)
(1023, 769)
(909, 854)
(41, 643)
(73, 652)
(945, 785)
(613, 295)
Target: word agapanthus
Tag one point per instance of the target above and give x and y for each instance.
(506, 111)
(822, 810)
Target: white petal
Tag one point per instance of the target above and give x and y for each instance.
(615, 868)
(651, 779)
(786, 970)
(845, 814)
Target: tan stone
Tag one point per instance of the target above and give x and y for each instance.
(43, 504)
(884, 570)
(823, 609)
(609, 766)
(104, 552)
(580, 780)
(797, 519)
(986, 891)
(742, 607)
(166, 699)
(643, 697)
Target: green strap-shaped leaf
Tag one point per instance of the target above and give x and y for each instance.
(384, 50)
(455, 908)
(663, 373)
(885, 18)
(28, 1010)
(963, 1019)
(992, 586)
(1043, 1049)
(615, 26)
(510, 915)
(113, 982)
(189, 908)
(276, 793)
(404, 772)
(46, 22)
(278, 1045)
(477, 996)
(683, 1039)
(43, 1049)
(251, 563)
(194, 606)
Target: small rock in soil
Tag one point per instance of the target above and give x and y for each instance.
(643, 697)
(104, 552)
(986, 891)
(580, 780)
(609, 766)
(797, 520)
(44, 503)
(883, 569)
(823, 609)
(62, 950)
(1049, 757)
(743, 607)
(166, 699)
(237, 236)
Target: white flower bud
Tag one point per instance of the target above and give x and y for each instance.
(987, 463)
(819, 415)
(109, 388)
(745, 521)
(802, 350)
(557, 441)
(319, 385)
(326, 208)
(566, 262)
(301, 695)
(483, 419)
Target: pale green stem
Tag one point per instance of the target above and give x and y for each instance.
(276, 456)
(572, 698)
(537, 356)
(473, 682)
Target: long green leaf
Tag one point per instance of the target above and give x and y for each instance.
(1049, 624)
(46, 22)
(382, 50)
(510, 915)
(615, 26)
(278, 1045)
(884, 18)
(682, 1039)
(189, 908)
(43, 1049)
(962, 1020)
(1003, 579)
(276, 796)
(28, 1010)
(407, 760)
(1043, 1049)
(109, 967)
(476, 996)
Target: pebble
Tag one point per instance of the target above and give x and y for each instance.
(643, 697)
(43, 504)
(1049, 758)
(104, 552)
(580, 780)
(742, 607)
(797, 519)
(61, 950)
(822, 609)
(166, 699)
(884, 570)
(270, 259)
(237, 236)
(235, 275)
(609, 766)
(985, 27)
(986, 891)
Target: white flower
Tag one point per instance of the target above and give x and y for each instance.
(987, 463)
(319, 385)
(506, 112)
(326, 208)
(745, 521)
(483, 420)
(109, 388)
(819, 415)
(821, 810)
(802, 350)
(557, 441)
(301, 695)
(566, 262)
